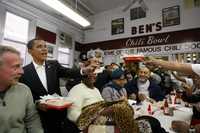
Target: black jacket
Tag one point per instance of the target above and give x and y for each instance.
(54, 71)
(53, 121)
(155, 91)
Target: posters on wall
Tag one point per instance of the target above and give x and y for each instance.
(64, 40)
(51, 50)
(171, 16)
(188, 4)
(137, 13)
(117, 26)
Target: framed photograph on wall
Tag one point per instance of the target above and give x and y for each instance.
(171, 16)
(137, 13)
(51, 49)
(65, 40)
(117, 26)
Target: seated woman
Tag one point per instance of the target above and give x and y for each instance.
(114, 90)
(90, 108)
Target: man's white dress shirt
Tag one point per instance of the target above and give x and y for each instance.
(41, 71)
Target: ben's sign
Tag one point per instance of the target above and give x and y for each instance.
(148, 28)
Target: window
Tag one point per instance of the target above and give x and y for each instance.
(16, 28)
(16, 33)
(64, 56)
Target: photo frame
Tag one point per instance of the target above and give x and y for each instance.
(189, 4)
(117, 26)
(50, 48)
(65, 40)
(137, 13)
(171, 16)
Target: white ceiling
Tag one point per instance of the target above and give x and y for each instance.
(103, 5)
(85, 7)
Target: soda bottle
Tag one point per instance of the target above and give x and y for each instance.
(169, 99)
(177, 99)
(149, 109)
(166, 108)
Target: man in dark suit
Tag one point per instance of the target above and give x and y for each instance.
(42, 76)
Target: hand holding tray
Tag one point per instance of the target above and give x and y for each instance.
(56, 102)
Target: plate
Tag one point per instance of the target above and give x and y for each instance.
(58, 104)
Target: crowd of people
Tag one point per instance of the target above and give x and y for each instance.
(99, 97)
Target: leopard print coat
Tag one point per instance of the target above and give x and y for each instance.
(119, 112)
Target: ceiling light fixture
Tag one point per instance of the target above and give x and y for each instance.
(65, 10)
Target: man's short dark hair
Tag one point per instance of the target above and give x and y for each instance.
(30, 44)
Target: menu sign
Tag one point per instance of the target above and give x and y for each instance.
(158, 50)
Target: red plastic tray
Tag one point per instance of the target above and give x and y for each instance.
(51, 104)
(134, 58)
